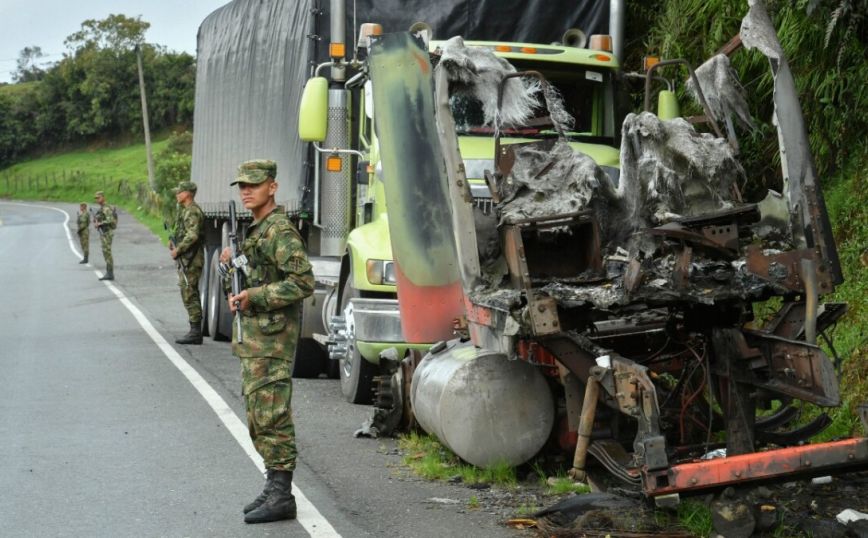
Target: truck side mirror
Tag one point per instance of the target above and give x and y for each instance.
(313, 110)
(667, 105)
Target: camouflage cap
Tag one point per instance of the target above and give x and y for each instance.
(97, 194)
(255, 172)
(185, 186)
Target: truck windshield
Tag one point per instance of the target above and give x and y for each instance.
(587, 96)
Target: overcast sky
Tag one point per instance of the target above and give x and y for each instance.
(46, 23)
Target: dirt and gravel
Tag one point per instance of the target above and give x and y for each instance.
(802, 508)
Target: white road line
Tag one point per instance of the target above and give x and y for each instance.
(308, 516)
(65, 222)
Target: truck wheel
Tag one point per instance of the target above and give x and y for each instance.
(216, 300)
(203, 289)
(357, 374)
(333, 368)
(309, 359)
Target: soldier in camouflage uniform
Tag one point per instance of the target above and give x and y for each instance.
(186, 248)
(83, 231)
(278, 278)
(105, 221)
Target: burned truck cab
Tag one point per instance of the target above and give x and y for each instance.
(633, 299)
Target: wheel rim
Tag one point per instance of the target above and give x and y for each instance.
(213, 298)
(350, 335)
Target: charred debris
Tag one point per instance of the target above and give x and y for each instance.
(632, 291)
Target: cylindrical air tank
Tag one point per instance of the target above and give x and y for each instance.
(483, 407)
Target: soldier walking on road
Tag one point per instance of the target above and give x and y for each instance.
(279, 277)
(83, 231)
(106, 221)
(186, 248)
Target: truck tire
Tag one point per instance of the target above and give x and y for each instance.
(216, 301)
(309, 359)
(203, 288)
(356, 373)
(332, 368)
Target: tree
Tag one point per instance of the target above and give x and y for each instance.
(27, 70)
(115, 32)
(104, 91)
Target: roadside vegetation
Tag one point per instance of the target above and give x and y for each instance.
(70, 128)
(433, 461)
(92, 94)
(74, 176)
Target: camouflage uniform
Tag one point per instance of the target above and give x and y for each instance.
(279, 277)
(190, 240)
(84, 232)
(105, 222)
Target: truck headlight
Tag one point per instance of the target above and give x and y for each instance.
(389, 276)
(381, 272)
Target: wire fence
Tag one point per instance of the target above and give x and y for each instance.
(79, 186)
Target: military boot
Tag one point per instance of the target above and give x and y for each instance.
(279, 503)
(83, 260)
(269, 479)
(109, 275)
(192, 337)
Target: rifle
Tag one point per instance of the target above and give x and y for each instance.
(238, 264)
(179, 263)
(97, 225)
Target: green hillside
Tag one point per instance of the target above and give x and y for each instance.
(74, 176)
(129, 163)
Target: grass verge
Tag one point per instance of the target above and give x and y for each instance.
(695, 517)
(426, 457)
(74, 176)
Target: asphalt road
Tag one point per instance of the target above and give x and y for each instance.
(107, 428)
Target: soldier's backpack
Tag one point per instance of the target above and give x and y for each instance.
(114, 223)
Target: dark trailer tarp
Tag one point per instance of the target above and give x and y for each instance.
(254, 56)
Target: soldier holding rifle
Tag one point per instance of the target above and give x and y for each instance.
(105, 220)
(83, 222)
(186, 248)
(278, 277)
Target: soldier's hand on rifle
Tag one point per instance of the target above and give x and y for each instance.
(241, 298)
(226, 255)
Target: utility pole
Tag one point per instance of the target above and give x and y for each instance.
(151, 181)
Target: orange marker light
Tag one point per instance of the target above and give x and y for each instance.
(649, 61)
(601, 42)
(334, 163)
(502, 48)
(528, 50)
(337, 50)
(367, 31)
(602, 57)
